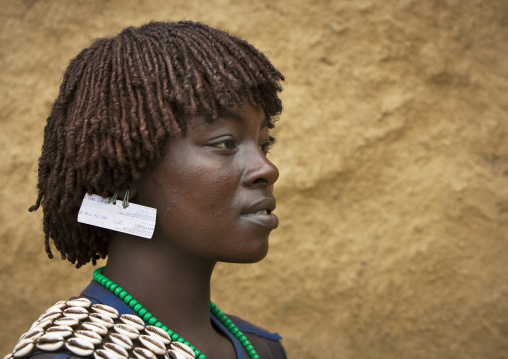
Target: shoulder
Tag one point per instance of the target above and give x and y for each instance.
(267, 344)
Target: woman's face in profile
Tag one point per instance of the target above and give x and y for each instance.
(213, 188)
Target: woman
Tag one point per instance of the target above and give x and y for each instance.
(174, 117)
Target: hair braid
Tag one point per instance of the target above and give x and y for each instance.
(119, 102)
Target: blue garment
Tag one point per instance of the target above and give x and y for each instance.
(267, 344)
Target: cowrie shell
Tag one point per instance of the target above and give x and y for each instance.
(133, 320)
(23, 348)
(62, 330)
(101, 319)
(95, 327)
(121, 339)
(51, 315)
(79, 313)
(142, 353)
(60, 305)
(104, 354)
(79, 302)
(89, 335)
(158, 333)
(153, 344)
(185, 349)
(50, 342)
(22, 343)
(44, 324)
(105, 310)
(116, 349)
(8, 356)
(79, 346)
(67, 321)
(32, 334)
(127, 330)
(172, 354)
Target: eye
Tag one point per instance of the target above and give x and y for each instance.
(225, 144)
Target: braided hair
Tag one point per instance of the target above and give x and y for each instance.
(119, 102)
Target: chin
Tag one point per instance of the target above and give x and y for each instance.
(248, 255)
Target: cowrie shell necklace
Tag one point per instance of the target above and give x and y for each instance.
(176, 340)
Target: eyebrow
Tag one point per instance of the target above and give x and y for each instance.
(229, 114)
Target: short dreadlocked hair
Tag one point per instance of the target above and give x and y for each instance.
(119, 102)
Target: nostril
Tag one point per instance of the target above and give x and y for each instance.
(260, 180)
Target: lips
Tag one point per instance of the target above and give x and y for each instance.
(261, 214)
(263, 206)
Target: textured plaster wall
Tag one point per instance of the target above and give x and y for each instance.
(393, 151)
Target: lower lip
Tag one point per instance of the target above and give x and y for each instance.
(265, 220)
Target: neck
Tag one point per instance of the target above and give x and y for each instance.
(168, 283)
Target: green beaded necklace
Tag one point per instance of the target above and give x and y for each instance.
(151, 320)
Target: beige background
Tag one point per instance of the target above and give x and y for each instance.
(393, 151)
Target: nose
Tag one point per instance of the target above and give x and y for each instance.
(259, 171)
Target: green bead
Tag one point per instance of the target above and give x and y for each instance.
(238, 334)
(158, 325)
(223, 318)
(249, 347)
(193, 349)
(230, 326)
(234, 330)
(142, 312)
(174, 336)
(113, 287)
(118, 290)
(128, 299)
(170, 332)
(165, 328)
(153, 321)
(245, 343)
(133, 302)
(147, 316)
(137, 308)
(180, 340)
(255, 356)
(215, 310)
(108, 284)
(251, 352)
(122, 294)
(186, 343)
(201, 356)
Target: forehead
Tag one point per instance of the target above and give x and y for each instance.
(246, 116)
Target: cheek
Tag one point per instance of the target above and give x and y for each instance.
(207, 191)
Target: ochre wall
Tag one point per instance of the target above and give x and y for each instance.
(393, 152)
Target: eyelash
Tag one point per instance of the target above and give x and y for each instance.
(266, 146)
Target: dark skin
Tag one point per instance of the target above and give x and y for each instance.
(213, 194)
